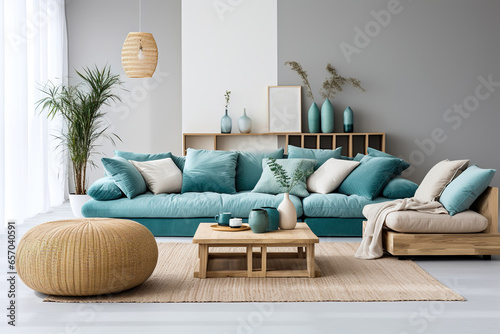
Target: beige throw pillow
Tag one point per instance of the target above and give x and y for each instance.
(161, 176)
(330, 175)
(438, 178)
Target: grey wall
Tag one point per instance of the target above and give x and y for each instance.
(425, 60)
(149, 117)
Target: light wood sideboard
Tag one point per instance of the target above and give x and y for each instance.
(352, 143)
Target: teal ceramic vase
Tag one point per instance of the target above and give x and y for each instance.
(313, 118)
(348, 120)
(226, 124)
(274, 218)
(258, 220)
(244, 123)
(327, 117)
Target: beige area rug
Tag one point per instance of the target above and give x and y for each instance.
(344, 278)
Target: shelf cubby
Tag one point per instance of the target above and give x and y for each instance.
(352, 143)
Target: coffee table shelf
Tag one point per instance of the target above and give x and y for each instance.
(300, 262)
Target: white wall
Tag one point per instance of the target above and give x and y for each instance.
(149, 117)
(227, 45)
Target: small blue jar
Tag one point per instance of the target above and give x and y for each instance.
(274, 218)
(258, 220)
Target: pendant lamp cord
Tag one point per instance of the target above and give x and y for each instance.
(140, 15)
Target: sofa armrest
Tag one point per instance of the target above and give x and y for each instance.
(487, 205)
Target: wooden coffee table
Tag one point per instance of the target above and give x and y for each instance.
(238, 264)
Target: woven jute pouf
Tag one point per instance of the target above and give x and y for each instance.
(86, 257)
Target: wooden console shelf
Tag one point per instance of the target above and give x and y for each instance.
(352, 143)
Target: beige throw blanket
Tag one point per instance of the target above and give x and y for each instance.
(371, 245)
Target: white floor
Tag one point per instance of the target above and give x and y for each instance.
(477, 280)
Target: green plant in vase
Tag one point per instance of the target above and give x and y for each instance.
(226, 123)
(288, 215)
(80, 107)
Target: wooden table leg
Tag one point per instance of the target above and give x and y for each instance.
(263, 251)
(249, 261)
(310, 260)
(300, 251)
(203, 260)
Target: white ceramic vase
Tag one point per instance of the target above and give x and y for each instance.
(288, 215)
(77, 201)
(244, 123)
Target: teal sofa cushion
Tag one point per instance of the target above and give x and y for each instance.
(187, 205)
(400, 188)
(358, 157)
(321, 156)
(379, 154)
(336, 205)
(249, 167)
(206, 170)
(142, 156)
(268, 184)
(179, 161)
(104, 189)
(125, 176)
(370, 177)
(459, 195)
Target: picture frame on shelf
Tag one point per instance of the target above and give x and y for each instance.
(284, 109)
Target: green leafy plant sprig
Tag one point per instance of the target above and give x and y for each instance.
(281, 176)
(227, 96)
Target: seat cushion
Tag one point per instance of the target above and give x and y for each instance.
(187, 205)
(420, 222)
(336, 205)
(242, 203)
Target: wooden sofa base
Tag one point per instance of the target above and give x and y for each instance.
(406, 244)
(486, 243)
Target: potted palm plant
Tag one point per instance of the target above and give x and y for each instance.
(80, 107)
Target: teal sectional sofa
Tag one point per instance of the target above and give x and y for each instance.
(331, 214)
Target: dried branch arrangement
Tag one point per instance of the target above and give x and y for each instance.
(334, 84)
(303, 75)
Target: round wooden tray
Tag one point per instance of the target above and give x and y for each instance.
(217, 227)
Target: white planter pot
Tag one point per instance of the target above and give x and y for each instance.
(288, 215)
(77, 201)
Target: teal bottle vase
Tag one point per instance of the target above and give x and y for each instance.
(274, 218)
(258, 220)
(327, 119)
(244, 123)
(226, 124)
(313, 118)
(348, 120)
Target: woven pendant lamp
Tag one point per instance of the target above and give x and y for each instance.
(139, 53)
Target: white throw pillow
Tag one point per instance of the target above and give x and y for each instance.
(161, 176)
(330, 175)
(438, 178)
